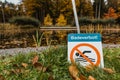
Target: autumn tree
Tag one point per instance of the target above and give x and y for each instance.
(33, 8)
(118, 8)
(61, 21)
(61, 7)
(99, 8)
(112, 3)
(48, 20)
(85, 9)
(110, 14)
(7, 10)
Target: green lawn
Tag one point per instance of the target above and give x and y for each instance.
(52, 65)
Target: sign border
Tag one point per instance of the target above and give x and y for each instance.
(87, 59)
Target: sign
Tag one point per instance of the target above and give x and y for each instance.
(85, 49)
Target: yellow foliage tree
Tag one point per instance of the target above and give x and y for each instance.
(111, 14)
(48, 20)
(61, 21)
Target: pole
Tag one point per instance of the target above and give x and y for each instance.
(99, 10)
(75, 15)
(3, 15)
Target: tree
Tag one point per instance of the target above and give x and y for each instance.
(86, 9)
(61, 21)
(118, 9)
(112, 3)
(99, 8)
(61, 7)
(32, 8)
(48, 20)
(7, 10)
(111, 14)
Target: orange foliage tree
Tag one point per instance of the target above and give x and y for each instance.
(111, 14)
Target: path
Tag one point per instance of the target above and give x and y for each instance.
(14, 51)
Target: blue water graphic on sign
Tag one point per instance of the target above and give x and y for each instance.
(95, 37)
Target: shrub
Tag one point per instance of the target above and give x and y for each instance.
(48, 20)
(110, 21)
(98, 21)
(61, 21)
(84, 21)
(103, 21)
(118, 20)
(24, 20)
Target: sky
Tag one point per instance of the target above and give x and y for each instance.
(17, 1)
(12, 1)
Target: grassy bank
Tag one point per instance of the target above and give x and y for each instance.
(52, 65)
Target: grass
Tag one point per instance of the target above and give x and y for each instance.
(52, 65)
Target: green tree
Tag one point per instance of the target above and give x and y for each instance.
(61, 21)
(48, 20)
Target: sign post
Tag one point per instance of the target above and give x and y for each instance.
(75, 15)
(85, 49)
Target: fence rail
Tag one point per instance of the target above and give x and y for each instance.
(57, 28)
(74, 28)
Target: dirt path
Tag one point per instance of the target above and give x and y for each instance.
(14, 51)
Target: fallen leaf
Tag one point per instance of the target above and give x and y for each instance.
(50, 77)
(89, 67)
(15, 65)
(108, 70)
(74, 72)
(82, 77)
(6, 72)
(37, 64)
(15, 71)
(35, 59)
(91, 78)
(1, 77)
(44, 69)
(24, 65)
(77, 78)
(40, 67)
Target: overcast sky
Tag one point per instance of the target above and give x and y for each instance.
(17, 1)
(13, 1)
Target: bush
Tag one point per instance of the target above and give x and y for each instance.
(103, 21)
(110, 21)
(118, 20)
(98, 21)
(61, 21)
(48, 20)
(24, 20)
(84, 21)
